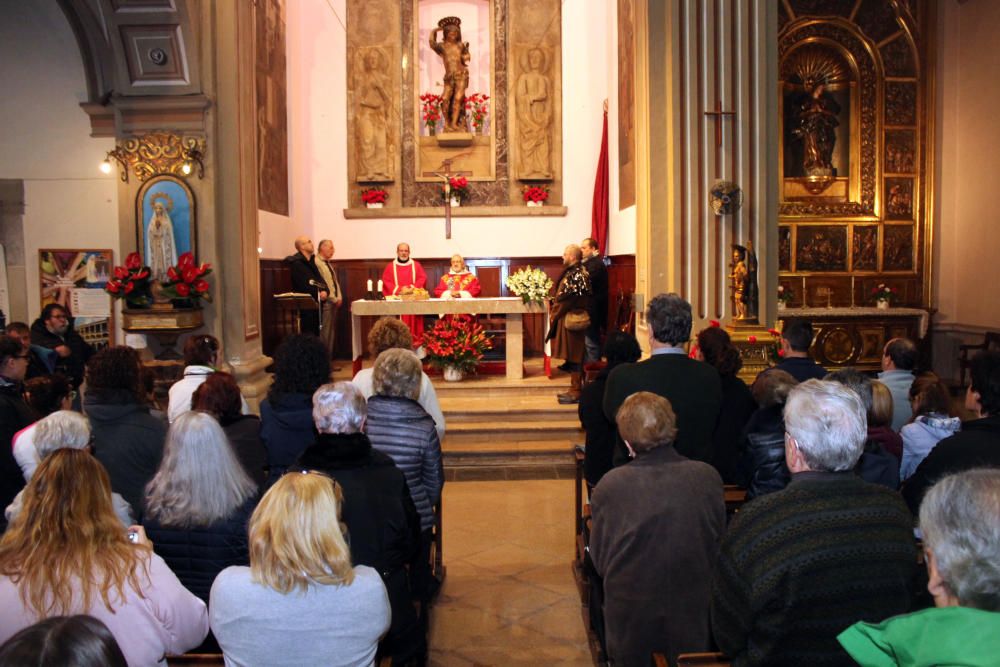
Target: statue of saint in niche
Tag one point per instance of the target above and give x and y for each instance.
(817, 128)
(455, 55)
(371, 125)
(744, 277)
(533, 97)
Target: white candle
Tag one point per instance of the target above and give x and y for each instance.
(380, 286)
(369, 284)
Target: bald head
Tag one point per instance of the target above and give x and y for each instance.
(572, 254)
(304, 245)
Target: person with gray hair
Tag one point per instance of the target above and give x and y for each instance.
(64, 429)
(381, 519)
(198, 503)
(960, 521)
(693, 388)
(799, 565)
(876, 464)
(398, 426)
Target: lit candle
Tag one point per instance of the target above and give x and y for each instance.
(369, 284)
(380, 286)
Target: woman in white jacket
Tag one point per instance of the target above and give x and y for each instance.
(202, 355)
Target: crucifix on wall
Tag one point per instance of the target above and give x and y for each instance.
(447, 174)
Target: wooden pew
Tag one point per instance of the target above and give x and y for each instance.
(703, 660)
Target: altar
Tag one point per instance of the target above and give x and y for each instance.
(513, 308)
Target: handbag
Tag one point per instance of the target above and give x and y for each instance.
(577, 320)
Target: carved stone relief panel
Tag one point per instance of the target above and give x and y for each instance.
(374, 81)
(535, 95)
(864, 248)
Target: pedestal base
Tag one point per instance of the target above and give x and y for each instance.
(454, 139)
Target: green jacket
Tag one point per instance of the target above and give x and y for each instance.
(954, 636)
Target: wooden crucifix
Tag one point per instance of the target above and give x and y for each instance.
(719, 114)
(446, 175)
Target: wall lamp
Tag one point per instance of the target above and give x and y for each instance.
(118, 155)
(193, 156)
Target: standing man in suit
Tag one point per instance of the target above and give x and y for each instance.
(594, 263)
(306, 279)
(692, 387)
(335, 299)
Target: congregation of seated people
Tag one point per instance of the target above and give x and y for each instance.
(301, 537)
(820, 564)
(304, 536)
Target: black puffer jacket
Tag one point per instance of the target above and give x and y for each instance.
(128, 441)
(762, 467)
(14, 415)
(197, 555)
(286, 429)
(243, 432)
(401, 428)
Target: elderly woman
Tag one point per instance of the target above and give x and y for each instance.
(458, 283)
(656, 598)
(219, 396)
(67, 553)
(762, 467)
(381, 519)
(199, 503)
(301, 365)
(960, 520)
(399, 426)
(66, 429)
(717, 350)
(300, 602)
(389, 333)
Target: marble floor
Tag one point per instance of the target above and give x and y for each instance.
(509, 596)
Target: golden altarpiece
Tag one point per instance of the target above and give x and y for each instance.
(855, 209)
(437, 88)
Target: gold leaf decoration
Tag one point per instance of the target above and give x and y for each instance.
(160, 153)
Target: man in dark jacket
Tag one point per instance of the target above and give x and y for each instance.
(14, 415)
(977, 444)
(598, 310)
(692, 387)
(53, 330)
(306, 279)
(381, 519)
(41, 360)
(796, 339)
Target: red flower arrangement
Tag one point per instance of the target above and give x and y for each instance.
(459, 186)
(187, 279)
(374, 196)
(458, 341)
(536, 193)
(477, 108)
(131, 282)
(430, 111)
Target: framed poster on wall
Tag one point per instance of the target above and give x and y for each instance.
(75, 280)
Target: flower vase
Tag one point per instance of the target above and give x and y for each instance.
(781, 305)
(182, 303)
(455, 202)
(374, 204)
(882, 304)
(534, 204)
(453, 374)
(432, 129)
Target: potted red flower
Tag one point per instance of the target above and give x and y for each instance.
(186, 282)
(430, 111)
(456, 345)
(458, 190)
(374, 197)
(536, 195)
(130, 282)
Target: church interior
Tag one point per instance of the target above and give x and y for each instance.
(845, 145)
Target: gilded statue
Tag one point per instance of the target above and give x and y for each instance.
(371, 124)
(744, 283)
(455, 56)
(533, 98)
(817, 128)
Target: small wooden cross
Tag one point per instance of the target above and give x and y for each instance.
(719, 114)
(447, 175)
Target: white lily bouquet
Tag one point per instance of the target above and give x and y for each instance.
(532, 285)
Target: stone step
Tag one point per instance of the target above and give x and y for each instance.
(505, 409)
(504, 434)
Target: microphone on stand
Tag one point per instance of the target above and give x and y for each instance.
(316, 284)
(318, 287)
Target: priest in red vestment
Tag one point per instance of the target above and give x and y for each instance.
(458, 283)
(400, 274)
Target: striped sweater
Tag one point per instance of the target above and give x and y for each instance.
(801, 565)
(402, 429)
